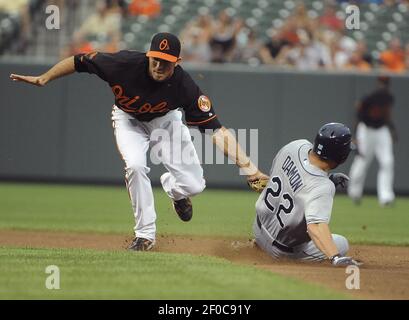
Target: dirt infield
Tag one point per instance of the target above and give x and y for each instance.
(385, 274)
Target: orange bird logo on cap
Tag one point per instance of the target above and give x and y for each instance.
(164, 45)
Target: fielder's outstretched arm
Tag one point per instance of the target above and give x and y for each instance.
(62, 68)
(227, 143)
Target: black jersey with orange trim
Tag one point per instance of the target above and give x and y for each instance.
(375, 108)
(138, 94)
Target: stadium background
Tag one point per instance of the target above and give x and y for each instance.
(62, 133)
(283, 102)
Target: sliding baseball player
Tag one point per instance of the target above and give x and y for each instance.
(294, 210)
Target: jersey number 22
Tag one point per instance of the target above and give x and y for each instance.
(276, 193)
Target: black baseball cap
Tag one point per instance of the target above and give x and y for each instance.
(165, 46)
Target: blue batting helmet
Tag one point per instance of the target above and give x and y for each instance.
(333, 142)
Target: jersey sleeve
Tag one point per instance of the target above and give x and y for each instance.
(198, 107)
(103, 65)
(318, 207)
(364, 103)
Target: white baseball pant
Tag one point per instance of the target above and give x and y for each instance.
(171, 140)
(373, 142)
(307, 251)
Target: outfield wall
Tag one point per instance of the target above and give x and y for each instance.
(63, 131)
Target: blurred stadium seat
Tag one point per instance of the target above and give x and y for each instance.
(380, 23)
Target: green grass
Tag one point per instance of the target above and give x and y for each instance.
(216, 213)
(107, 209)
(86, 274)
(369, 223)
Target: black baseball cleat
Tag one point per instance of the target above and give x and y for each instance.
(183, 208)
(141, 244)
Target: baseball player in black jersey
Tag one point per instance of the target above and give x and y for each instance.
(375, 133)
(149, 88)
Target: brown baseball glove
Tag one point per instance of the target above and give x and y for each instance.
(258, 184)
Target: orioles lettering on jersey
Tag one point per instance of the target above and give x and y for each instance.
(126, 104)
(127, 73)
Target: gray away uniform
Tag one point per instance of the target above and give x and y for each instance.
(297, 194)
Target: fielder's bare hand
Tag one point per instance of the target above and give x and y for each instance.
(257, 176)
(39, 81)
(62, 68)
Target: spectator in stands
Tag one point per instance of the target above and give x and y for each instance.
(117, 6)
(223, 38)
(289, 31)
(247, 47)
(301, 18)
(195, 47)
(202, 23)
(363, 51)
(149, 8)
(357, 62)
(393, 59)
(341, 45)
(321, 47)
(19, 8)
(287, 36)
(100, 32)
(195, 38)
(13, 7)
(272, 48)
(330, 20)
(350, 55)
(343, 60)
(308, 54)
(347, 44)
